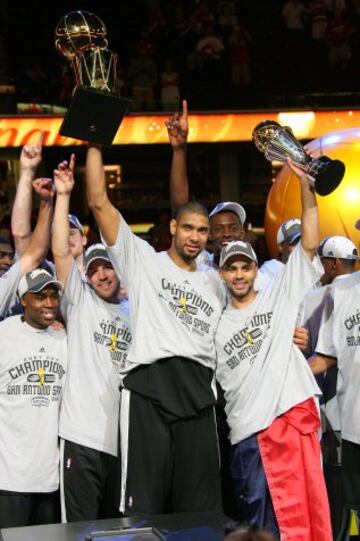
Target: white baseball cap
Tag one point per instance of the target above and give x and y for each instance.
(289, 231)
(338, 247)
(230, 206)
(237, 247)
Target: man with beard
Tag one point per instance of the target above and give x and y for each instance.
(269, 388)
(168, 435)
(98, 340)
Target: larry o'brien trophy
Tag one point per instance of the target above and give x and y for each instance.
(96, 111)
(279, 143)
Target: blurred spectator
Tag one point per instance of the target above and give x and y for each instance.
(318, 17)
(338, 38)
(239, 52)
(35, 83)
(142, 77)
(227, 18)
(210, 50)
(160, 237)
(6, 254)
(170, 93)
(293, 15)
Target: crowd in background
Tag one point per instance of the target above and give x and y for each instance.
(216, 52)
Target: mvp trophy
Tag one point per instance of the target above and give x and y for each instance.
(279, 143)
(96, 111)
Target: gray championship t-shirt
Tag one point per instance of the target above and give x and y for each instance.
(173, 312)
(339, 337)
(98, 340)
(32, 375)
(262, 372)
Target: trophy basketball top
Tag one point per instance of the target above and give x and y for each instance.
(263, 132)
(79, 31)
(96, 110)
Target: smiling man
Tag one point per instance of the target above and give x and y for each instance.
(269, 388)
(98, 340)
(33, 361)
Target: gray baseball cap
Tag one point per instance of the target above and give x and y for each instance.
(230, 206)
(289, 231)
(237, 247)
(36, 280)
(95, 251)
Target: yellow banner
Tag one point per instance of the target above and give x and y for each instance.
(16, 131)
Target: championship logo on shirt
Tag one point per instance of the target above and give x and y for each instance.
(39, 377)
(115, 336)
(245, 343)
(188, 306)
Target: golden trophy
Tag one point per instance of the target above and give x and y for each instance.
(96, 111)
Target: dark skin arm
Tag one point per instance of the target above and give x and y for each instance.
(178, 130)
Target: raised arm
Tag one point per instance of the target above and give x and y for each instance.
(178, 129)
(106, 215)
(309, 213)
(38, 246)
(30, 159)
(64, 183)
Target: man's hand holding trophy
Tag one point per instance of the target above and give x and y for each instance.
(279, 143)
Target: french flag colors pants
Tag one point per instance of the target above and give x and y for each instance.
(278, 477)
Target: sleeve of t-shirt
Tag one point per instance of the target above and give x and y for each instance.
(9, 283)
(325, 343)
(74, 288)
(300, 274)
(129, 254)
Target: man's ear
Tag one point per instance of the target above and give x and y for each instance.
(23, 301)
(173, 227)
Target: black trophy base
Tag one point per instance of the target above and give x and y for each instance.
(94, 116)
(329, 175)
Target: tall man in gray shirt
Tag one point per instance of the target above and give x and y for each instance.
(168, 434)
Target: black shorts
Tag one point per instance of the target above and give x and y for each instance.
(28, 509)
(89, 483)
(168, 466)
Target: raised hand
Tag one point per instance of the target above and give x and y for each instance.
(44, 188)
(64, 176)
(178, 127)
(31, 155)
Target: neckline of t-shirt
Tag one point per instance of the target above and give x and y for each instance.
(248, 309)
(195, 272)
(30, 328)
